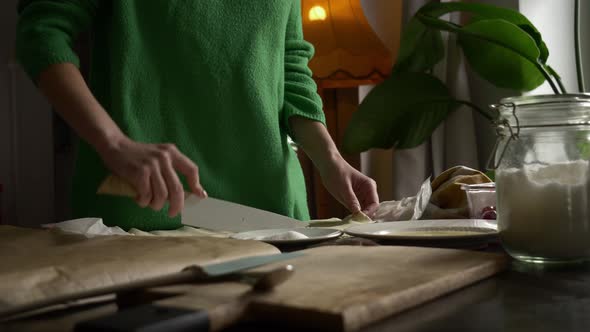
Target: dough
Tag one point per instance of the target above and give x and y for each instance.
(359, 217)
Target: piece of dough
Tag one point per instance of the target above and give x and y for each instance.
(359, 217)
(335, 223)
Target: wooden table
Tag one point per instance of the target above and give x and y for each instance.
(521, 299)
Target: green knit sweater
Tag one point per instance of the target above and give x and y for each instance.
(218, 78)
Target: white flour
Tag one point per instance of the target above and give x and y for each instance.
(543, 210)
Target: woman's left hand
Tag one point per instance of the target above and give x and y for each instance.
(350, 187)
(353, 189)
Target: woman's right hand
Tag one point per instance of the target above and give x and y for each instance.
(151, 169)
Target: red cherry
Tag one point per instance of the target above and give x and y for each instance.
(490, 215)
(488, 208)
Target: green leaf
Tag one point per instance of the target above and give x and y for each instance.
(486, 12)
(401, 112)
(497, 64)
(538, 40)
(494, 40)
(420, 49)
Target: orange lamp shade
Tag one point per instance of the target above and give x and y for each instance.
(346, 46)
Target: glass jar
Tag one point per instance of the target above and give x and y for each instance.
(543, 177)
(481, 200)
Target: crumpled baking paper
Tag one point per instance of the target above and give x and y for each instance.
(91, 227)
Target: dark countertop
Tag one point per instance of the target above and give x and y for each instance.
(524, 298)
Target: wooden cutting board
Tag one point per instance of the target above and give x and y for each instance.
(341, 288)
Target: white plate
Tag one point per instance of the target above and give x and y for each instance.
(313, 235)
(427, 230)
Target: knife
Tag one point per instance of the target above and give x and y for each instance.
(230, 270)
(212, 213)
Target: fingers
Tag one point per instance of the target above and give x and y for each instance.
(371, 209)
(157, 181)
(168, 155)
(351, 201)
(151, 169)
(175, 190)
(362, 194)
(143, 187)
(169, 160)
(159, 188)
(190, 170)
(370, 200)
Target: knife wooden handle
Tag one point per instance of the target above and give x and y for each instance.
(190, 274)
(149, 317)
(116, 186)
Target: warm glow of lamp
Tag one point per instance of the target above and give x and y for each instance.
(317, 13)
(347, 48)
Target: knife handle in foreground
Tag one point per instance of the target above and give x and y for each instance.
(259, 280)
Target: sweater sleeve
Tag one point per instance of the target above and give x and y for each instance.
(301, 97)
(47, 29)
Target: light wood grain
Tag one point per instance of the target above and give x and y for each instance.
(339, 288)
(346, 288)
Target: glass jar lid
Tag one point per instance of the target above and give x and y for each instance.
(545, 110)
(488, 186)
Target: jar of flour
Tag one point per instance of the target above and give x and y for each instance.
(543, 177)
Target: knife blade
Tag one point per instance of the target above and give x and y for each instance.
(212, 213)
(219, 215)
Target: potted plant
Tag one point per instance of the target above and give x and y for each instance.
(501, 45)
(542, 160)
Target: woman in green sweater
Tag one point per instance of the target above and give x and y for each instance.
(176, 84)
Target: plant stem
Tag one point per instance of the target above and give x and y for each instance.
(548, 78)
(561, 86)
(579, 72)
(447, 26)
(486, 114)
(556, 76)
